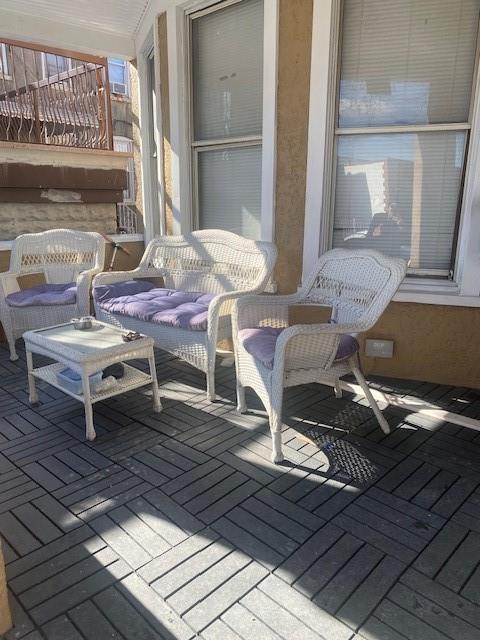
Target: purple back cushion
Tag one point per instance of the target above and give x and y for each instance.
(44, 295)
(260, 342)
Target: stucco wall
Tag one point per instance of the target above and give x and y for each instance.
(295, 31)
(17, 218)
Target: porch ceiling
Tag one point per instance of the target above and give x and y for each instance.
(106, 27)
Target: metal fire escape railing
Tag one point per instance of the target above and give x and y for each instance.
(54, 97)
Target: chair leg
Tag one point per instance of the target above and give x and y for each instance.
(371, 400)
(275, 417)
(211, 395)
(338, 389)
(241, 402)
(11, 345)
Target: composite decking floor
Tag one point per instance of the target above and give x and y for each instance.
(176, 525)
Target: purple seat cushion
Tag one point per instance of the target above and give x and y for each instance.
(144, 301)
(260, 342)
(44, 295)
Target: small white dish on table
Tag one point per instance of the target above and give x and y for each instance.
(87, 352)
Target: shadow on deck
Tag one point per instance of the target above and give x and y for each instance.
(176, 525)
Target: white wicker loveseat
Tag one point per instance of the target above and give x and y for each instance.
(66, 261)
(270, 355)
(219, 265)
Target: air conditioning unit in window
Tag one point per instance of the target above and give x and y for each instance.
(119, 88)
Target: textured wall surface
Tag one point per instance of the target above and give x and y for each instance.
(17, 218)
(295, 35)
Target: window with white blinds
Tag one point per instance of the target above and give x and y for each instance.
(226, 67)
(402, 127)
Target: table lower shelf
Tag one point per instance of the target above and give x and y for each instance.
(132, 379)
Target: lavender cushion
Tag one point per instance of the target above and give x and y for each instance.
(260, 342)
(144, 301)
(44, 295)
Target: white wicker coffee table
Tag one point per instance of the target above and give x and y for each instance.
(87, 352)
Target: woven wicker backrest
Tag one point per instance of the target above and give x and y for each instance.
(357, 284)
(60, 254)
(211, 261)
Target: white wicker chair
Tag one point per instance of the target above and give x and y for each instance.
(358, 285)
(62, 256)
(211, 261)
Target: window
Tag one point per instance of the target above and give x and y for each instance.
(53, 64)
(402, 128)
(226, 115)
(118, 76)
(126, 146)
(3, 59)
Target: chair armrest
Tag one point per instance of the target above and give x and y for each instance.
(84, 283)
(305, 346)
(8, 283)
(110, 277)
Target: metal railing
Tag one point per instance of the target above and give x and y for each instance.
(54, 96)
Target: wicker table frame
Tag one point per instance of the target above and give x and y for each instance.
(85, 364)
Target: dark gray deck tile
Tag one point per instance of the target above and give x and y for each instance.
(207, 582)
(93, 623)
(35, 521)
(323, 569)
(305, 610)
(49, 551)
(173, 512)
(124, 617)
(57, 513)
(144, 471)
(179, 554)
(375, 629)
(41, 572)
(248, 543)
(186, 479)
(369, 593)
(61, 629)
(80, 591)
(348, 578)
(18, 536)
(432, 614)
(403, 622)
(434, 490)
(229, 499)
(120, 541)
(277, 622)
(139, 531)
(390, 546)
(458, 568)
(268, 534)
(218, 630)
(154, 610)
(22, 624)
(201, 484)
(67, 577)
(188, 570)
(43, 477)
(290, 510)
(440, 548)
(224, 596)
(308, 553)
(454, 497)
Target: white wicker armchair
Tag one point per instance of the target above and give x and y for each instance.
(357, 285)
(62, 256)
(209, 261)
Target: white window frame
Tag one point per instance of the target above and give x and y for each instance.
(4, 60)
(126, 77)
(153, 196)
(44, 64)
(464, 289)
(179, 85)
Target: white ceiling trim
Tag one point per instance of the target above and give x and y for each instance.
(37, 30)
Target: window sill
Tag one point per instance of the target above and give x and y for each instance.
(439, 295)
